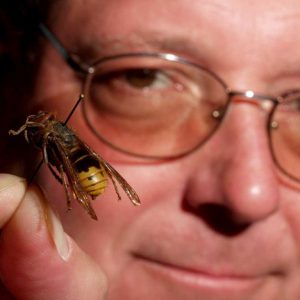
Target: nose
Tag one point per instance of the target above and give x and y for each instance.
(235, 168)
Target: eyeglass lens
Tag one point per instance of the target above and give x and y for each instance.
(154, 107)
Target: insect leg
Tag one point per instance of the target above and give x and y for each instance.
(59, 179)
(18, 131)
(57, 162)
(115, 185)
(26, 137)
(45, 159)
(24, 127)
(45, 147)
(65, 184)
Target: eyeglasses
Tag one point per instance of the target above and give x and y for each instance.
(161, 106)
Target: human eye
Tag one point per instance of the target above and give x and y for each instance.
(287, 113)
(147, 79)
(143, 86)
(137, 79)
(291, 102)
(294, 105)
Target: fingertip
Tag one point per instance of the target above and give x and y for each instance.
(8, 181)
(12, 191)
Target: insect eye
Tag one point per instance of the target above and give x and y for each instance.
(41, 117)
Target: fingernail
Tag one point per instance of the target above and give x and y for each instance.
(57, 233)
(40, 208)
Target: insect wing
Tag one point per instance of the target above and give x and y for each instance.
(114, 174)
(79, 194)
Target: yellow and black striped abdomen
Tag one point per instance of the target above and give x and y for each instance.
(94, 180)
(91, 174)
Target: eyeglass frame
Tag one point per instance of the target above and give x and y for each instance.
(86, 69)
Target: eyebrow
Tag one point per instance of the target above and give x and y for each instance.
(150, 41)
(157, 41)
(97, 47)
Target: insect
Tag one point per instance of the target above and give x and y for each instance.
(83, 173)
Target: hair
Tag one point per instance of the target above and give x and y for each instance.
(20, 17)
(19, 54)
(24, 13)
(18, 29)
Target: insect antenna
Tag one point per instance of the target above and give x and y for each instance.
(73, 109)
(64, 123)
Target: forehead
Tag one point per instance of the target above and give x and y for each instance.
(245, 32)
(192, 12)
(210, 21)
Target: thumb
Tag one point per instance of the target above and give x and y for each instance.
(38, 260)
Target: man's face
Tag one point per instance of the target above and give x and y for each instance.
(219, 223)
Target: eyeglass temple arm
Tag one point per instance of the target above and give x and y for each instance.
(72, 59)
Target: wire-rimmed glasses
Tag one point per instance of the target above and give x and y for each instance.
(161, 106)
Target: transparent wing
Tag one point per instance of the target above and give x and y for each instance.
(131, 193)
(114, 174)
(78, 193)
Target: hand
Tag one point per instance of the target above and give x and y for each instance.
(38, 260)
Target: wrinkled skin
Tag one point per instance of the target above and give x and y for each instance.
(217, 224)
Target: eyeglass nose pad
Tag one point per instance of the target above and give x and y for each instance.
(249, 94)
(262, 101)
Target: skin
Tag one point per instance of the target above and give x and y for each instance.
(218, 224)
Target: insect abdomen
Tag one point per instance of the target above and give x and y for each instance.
(91, 174)
(93, 181)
